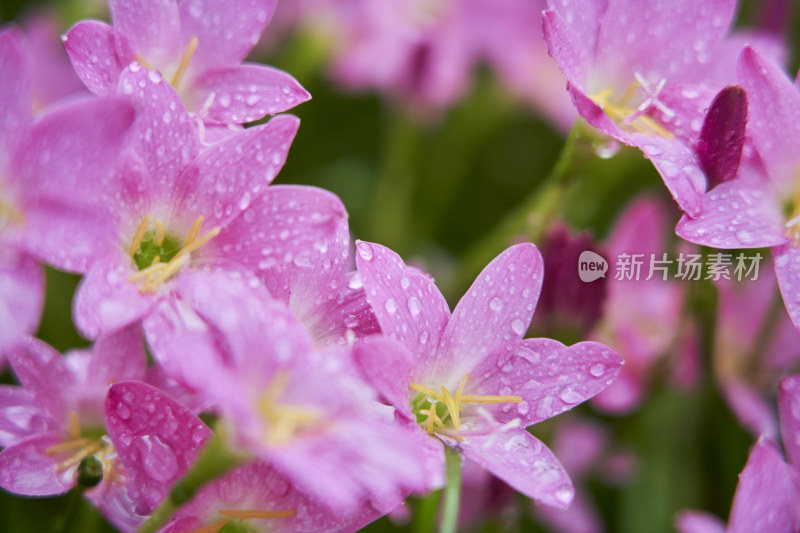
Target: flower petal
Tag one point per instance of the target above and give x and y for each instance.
(766, 498)
(15, 93)
(550, 377)
(407, 303)
(698, 522)
(736, 214)
(98, 53)
(388, 367)
(244, 93)
(496, 310)
(118, 356)
(151, 27)
(26, 468)
(789, 411)
(21, 416)
(21, 296)
(787, 270)
(524, 462)
(572, 44)
(38, 367)
(225, 32)
(774, 106)
(157, 439)
(226, 177)
(285, 224)
(106, 300)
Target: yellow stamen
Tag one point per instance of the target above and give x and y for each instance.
(793, 223)
(184, 65)
(454, 404)
(161, 232)
(61, 447)
(193, 232)
(244, 514)
(283, 421)
(11, 213)
(619, 110)
(74, 425)
(139, 59)
(139, 235)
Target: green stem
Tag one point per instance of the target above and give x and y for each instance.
(214, 460)
(452, 492)
(532, 216)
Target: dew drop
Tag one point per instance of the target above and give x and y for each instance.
(423, 337)
(365, 251)
(414, 306)
(496, 305)
(518, 326)
(597, 370)
(404, 282)
(391, 306)
(568, 395)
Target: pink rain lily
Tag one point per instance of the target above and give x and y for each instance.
(256, 497)
(753, 348)
(39, 161)
(642, 318)
(470, 380)
(761, 206)
(64, 414)
(301, 409)
(197, 45)
(768, 496)
(175, 207)
(645, 73)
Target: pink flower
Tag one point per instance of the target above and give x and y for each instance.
(301, 409)
(197, 45)
(257, 497)
(65, 414)
(40, 162)
(470, 380)
(642, 319)
(644, 74)
(761, 206)
(767, 496)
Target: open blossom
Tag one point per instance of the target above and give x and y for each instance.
(301, 409)
(197, 45)
(50, 431)
(645, 73)
(260, 499)
(470, 380)
(174, 206)
(760, 207)
(767, 496)
(39, 160)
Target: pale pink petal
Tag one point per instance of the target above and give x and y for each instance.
(753, 411)
(550, 377)
(678, 167)
(157, 439)
(388, 367)
(282, 225)
(736, 214)
(106, 300)
(164, 135)
(120, 355)
(494, 313)
(98, 54)
(594, 114)
(524, 462)
(658, 39)
(581, 517)
(698, 522)
(570, 30)
(789, 411)
(26, 468)
(580, 443)
(766, 498)
(227, 177)
(21, 296)
(14, 93)
(37, 367)
(225, 31)
(244, 93)
(787, 270)
(151, 27)
(407, 303)
(21, 416)
(622, 396)
(774, 105)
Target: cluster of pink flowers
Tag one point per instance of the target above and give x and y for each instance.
(208, 290)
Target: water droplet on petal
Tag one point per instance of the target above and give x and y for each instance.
(423, 337)
(518, 326)
(564, 494)
(597, 370)
(496, 304)
(569, 395)
(390, 306)
(404, 282)
(523, 407)
(158, 460)
(414, 305)
(351, 321)
(365, 251)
